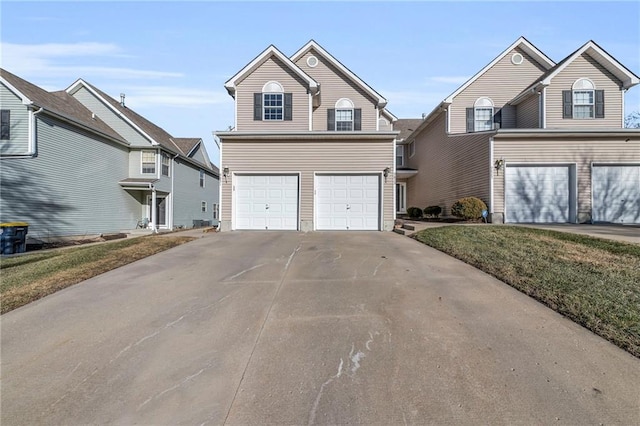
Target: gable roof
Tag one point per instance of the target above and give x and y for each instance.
(406, 126)
(522, 43)
(58, 103)
(270, 51)
(186, 145)
(312, 44)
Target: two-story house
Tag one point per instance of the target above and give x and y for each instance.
(77, 163)
(312, 147)
(538, 141)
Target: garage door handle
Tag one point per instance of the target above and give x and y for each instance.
(348, 207)
(266, 206)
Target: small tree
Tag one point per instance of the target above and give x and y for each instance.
(632, 120)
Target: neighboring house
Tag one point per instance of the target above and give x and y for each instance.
(77, 162)
(312, 147)
(536, 140)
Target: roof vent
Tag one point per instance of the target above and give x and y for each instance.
(517, 58)
(312, 61)
(122, 99)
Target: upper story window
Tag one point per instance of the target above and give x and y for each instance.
(272, 104)
(399, 155)
(412, 149)
(344, 117)
(149, 162)
(201, 178)
(583, 101)
(166, 164)
(5, 127)
(483, 115)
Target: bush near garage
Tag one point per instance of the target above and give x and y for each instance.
(468, 208)
(432, 211)
(414, 212)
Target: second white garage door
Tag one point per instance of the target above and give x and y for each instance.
(266, 202)
(538, 194)
(616, 193)
(348, 202)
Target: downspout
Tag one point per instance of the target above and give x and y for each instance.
(491, 183)
(622, 92)
(172, 172)
(154, 228)
(33, 133)
(395, 177)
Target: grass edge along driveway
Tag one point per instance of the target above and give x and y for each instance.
(594, 282)
(35, 275)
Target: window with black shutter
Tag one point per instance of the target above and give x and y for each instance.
(5, 124)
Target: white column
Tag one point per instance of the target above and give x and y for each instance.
(154, 213)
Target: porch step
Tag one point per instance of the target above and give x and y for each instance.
(400, 231)
(409, 227)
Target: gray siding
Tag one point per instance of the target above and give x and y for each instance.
(333, 86)
(449, 167)
(19, 142)
(307, 158)
(188, 195)
(135, 164)
(585, 66)
(71, 187)
(502, 82)
(198, 155)
(528, 113)
(113, 120)
(272, 70)
(581, 152)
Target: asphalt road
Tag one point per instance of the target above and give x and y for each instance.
(280, 328)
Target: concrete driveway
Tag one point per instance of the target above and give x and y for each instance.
(321, 328)
(625, 233)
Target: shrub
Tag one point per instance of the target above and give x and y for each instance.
(432, 211)
(468, 208)
(414, 212)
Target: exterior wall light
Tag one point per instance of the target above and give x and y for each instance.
(225, 173)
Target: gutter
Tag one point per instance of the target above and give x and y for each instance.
(551, 133)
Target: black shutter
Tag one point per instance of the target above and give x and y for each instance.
(567, 104)
(5, 128)
(257, 106)
(331, 119)
(497, 119)
(470, 121)
(288, 106)
(599, 103)
(357, 119)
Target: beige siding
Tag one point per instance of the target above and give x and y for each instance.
(581, 152)
(306, 158)
(584, 66)
(272, 70)
(333, 86)
(502, 82)
(528, 113)
(449, 167)
(384, 125)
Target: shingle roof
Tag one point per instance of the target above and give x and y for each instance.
(185, 144)
(406, 126)
(62, 104)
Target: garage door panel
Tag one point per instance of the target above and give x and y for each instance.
(266, 202)
(537, 194)
(616, 193)
(348, 202)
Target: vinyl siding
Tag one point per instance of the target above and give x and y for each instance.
(585, 66)
(112, 119)
(272, 70)
(385, 125)
(307, 158)
(71, 187)
(188, 195)
(582, 152)
(502, 82)
(333, 86)
(449, 167)
(135, 164)
(19, 142)
(528, 113)
(199, 156)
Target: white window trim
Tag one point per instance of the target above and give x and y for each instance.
(269, 89)
(344, 104)
(575, 90)
(215, 210)
(203, 206)
(483, 103)
(162, 157)
(412, 148)
(202, 178)
(155, 156)
(401, 148)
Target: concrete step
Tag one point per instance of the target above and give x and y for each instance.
(400, 231)
(409, 227)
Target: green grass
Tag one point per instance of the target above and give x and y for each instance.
(31, 276)
(594, 282)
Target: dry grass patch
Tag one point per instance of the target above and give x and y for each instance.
(32, 276)
(593, 281)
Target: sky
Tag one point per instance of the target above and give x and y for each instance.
(171, 58)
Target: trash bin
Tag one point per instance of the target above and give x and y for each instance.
(13, 237)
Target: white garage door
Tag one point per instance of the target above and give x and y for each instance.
(347, 202)
(266, 202)
(616, 193)
(537, 194)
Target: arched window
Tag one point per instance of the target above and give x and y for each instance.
(272, 101)
(483, 114)
(583, 95)
(344, 115)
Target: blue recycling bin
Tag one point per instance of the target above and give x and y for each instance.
(13, 237)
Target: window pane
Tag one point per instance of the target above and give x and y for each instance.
(483, 119)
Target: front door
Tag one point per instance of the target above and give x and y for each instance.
(401, 197)
(161, 210)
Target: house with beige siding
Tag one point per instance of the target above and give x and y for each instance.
(313, 147)
(537, 141)
(78, 163)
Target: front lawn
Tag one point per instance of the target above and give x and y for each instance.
(593, 281)
(31, 276)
